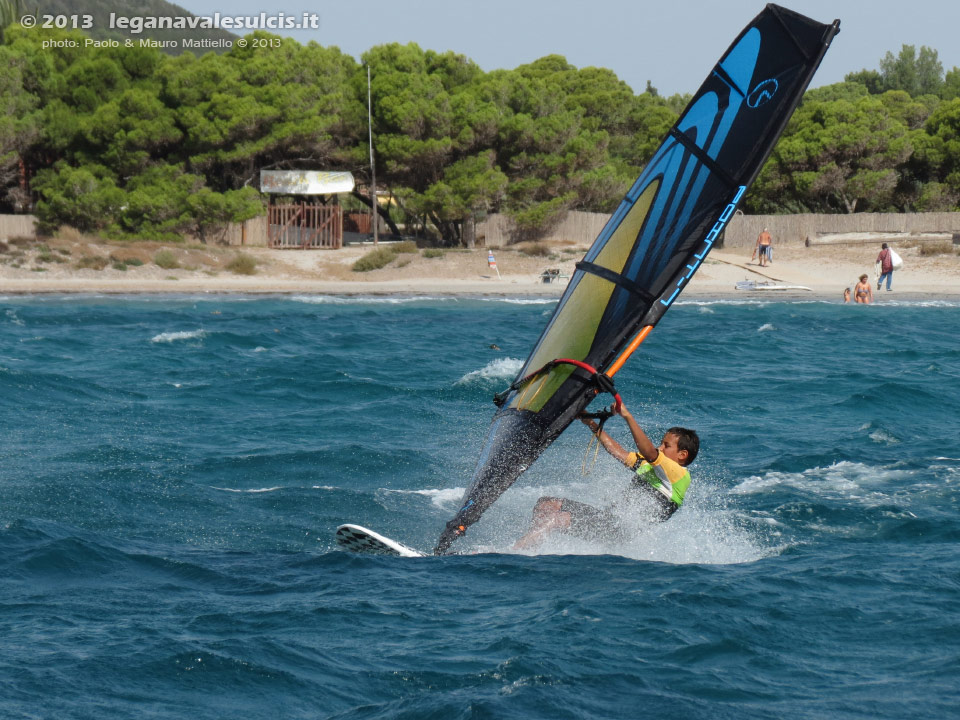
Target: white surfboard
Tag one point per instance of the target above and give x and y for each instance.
(361, 540)
(763, 285)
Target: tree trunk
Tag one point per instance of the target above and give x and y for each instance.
(380, 211)
(469, 232)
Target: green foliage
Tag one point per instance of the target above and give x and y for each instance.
(847, 151)
(92, 262)
(374, 260)
(165, 259)
(406, 246)
(243, 264)
(433, 253)
(132, 143)
(86, 198)
(212, 211)
(914, 73)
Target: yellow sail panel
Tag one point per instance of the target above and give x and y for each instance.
(574, 327)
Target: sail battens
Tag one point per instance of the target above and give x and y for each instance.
(616, 279)
(733, 84)
(702, 156)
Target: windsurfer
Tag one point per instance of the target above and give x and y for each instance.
(661, 472)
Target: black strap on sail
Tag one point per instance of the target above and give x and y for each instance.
(617, 279)
(701, 155)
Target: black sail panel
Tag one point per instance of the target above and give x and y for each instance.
(654, 242)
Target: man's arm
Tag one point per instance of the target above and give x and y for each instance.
(645, 447)
(609, 444)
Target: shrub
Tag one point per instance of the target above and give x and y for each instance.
(94, 262)
(407, 246)
(403, 263)
(120, 266)
(938, 247)
(433, 253)
(243, 264)
(535, 250)
(166, 259)
(133, 262)
(374, 260)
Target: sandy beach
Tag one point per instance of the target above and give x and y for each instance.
(57, 266)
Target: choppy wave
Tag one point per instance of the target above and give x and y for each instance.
(169, 337)
(177, 510)
(249, 490)
(499, 369)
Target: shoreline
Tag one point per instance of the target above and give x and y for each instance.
(464, 273)
(380, 290)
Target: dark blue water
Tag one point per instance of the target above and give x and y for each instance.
(173, 470)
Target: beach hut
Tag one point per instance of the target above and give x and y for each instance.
(315, 218)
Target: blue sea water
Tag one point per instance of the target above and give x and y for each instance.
(173, 468)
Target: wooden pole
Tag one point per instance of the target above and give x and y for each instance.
(373, 168)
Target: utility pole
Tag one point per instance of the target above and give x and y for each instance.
(373, 169)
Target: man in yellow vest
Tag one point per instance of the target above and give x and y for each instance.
(659, 471)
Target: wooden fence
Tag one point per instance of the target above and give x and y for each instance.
(17, 226)
(305, 226)
(581, 228)
(324, 229)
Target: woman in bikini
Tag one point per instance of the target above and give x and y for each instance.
(863, 292)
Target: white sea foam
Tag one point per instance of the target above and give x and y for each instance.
(863, 484)
(363, 299)
(499, 369)
(882, 436)
(443, 498)
(246, 490)
(12, 314)
(703, 532)
(841, 476)
(169, 337)
(766, 327)
(521, 300)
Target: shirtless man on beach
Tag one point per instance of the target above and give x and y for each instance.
(764, 240)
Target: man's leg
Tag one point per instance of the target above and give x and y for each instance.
(889, 279)
(548, 516)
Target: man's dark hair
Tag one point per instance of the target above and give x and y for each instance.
(687, 440)
(884, 246)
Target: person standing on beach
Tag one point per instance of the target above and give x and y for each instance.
(764, 241)
(863, 292)
(885, 261)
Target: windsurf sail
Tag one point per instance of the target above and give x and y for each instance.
(652, 245)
